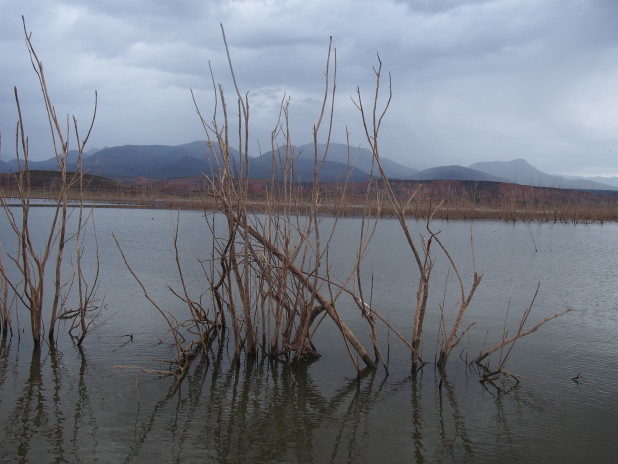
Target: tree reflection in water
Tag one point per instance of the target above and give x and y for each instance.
(29, 416)
(44, 421)
(64, 410)
(261, 411)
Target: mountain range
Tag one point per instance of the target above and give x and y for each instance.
(192, 159)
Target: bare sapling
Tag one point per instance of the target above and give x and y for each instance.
(425, 260)
(455, 334)
(507, 343)
(5, 306)
(272, 279)
(372, 120)
(421, 250)
(30, 266)
(85, 316)
(30, 260)
(5, 303)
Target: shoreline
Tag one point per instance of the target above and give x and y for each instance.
(560, 213)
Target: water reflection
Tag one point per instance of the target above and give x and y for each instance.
(417, 422)
(252, 410)
(43, 422)
(5, 344)
(356, 400)
(63, 409)
(450, 416)
(83, 433)
(260, 411)
(28, 416)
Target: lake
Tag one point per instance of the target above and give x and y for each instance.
(73, 405)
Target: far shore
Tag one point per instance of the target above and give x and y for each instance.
(448, 209)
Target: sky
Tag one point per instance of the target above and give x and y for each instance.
(472, 80)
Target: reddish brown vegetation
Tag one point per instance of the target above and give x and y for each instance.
(457, 199)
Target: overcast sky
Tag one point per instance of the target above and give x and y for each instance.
(473, 80)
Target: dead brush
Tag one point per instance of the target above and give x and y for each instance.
(507, 343)
(31, 261)
(270, 276)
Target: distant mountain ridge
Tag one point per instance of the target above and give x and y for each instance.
(519, 171)
(193, 159)
(456, 172)
(338, 157)
(613, 181)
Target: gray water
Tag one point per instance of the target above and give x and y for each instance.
(72, 405)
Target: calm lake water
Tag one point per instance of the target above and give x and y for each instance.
(72, 405)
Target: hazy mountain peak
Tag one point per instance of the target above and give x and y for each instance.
(519, 171)
(456, 172)
(358, 157)
(519, 162)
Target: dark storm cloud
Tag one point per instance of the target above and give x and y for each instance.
(472, 80)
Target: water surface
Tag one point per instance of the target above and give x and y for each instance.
(71, 405)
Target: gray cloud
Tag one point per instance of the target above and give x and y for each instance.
(472, 80)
